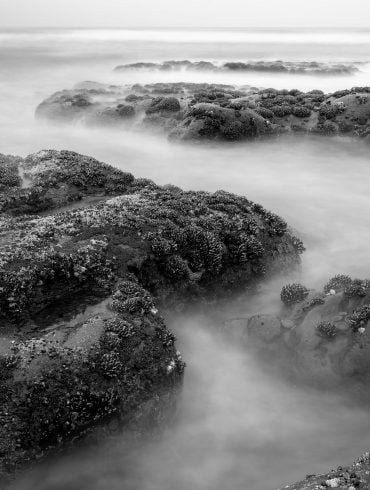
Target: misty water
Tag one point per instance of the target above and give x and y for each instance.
(238, 425)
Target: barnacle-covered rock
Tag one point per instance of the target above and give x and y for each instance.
(176, 268)
(57, 178)
(115, 115)
(76, 379)
(326, 329)
(210, 121)
(359, 319)
(66, 105)
(147, 233)
(357, 475)
(164, 104)
(293, 293)
(132, 298)
(281, 110)
(278, 66)
(188, 111)
(322, 339)
(82, 340)
(338, 283)
(301, 111)
(357, 287)
(9, 172)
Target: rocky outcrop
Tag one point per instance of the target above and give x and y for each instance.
(350, 477)
(210, 121)
(213, 112)
(319, 338)
(52, 179)
(85, 378)
(87, 255)
(9, 172)
(278, 66)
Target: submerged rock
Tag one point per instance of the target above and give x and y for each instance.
(204, 111)
(320, 338)
(83, 348)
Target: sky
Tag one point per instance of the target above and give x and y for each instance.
(184, 13)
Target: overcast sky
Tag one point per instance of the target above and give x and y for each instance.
(167, 13)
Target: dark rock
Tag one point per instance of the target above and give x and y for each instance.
(325, 339)
(169, 65)
(209, 121)
(83, 349)
(351, 477)
(9, 172)
(59, 386)
(59, 178)
(116, 114)
(164, 104)
(66, 105)
(301, 111)
(210, 111)
(278, 66)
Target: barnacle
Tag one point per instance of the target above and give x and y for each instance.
(293, 293)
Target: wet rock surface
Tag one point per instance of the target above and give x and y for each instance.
(190, 111)
(88, 254)
(321, 338)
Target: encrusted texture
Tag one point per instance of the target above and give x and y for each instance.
(83, 348)
(189, 111)
(355, 476)
(319, 338)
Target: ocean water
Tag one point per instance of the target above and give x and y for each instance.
(237, 425)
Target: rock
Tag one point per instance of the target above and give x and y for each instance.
(83, 343)
(171, 65)
(62, 384)
(164, 104)
(265, 66)
(9, 172)
(323, 340)
(66, 105)
(209, 121)
(56, 179)
(354, 476)
(264, 327)
(293, 67)
(114, 115)
(204, 244)
(188, 111)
